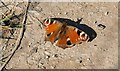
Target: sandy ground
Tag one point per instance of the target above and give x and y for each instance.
(100, 53)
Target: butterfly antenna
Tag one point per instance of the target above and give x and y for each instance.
(79, 20)
(40, 23)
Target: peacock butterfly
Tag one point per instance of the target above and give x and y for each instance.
(63, 34)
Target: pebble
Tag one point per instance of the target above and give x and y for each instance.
(95, 45)
(43, 67)
(66, 13)
(95, 22)
(52, 67)
(80, 61)
(88, 59)
(34, 50)
(47, 57)
(47, 53)
(55, 55)
(29, 44)
(59, 13)
(106, 13)
(101, 26)
(13, 44)
(40, 64)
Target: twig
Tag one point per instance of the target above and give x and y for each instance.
(19, 38)
(4, 4)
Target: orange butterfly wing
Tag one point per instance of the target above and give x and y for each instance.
(63, 35)
(71, 37)
(52, 28)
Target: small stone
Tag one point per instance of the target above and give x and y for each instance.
(95, 45)
(43, 67)
(101, 26)
(29, 44)
(66, 13)
(35, 49)
(13, 44)
(55, 55)
(47, 53)
(47, 57)
(88, 59)
(80, 61)
(59, 13)
(95, 22)
(106, 13)
(84, 64)
(21, 47)
(38, 42)
(52, 67)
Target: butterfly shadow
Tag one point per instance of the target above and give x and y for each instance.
(88, 30)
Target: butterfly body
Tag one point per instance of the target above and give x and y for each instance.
(63, 34)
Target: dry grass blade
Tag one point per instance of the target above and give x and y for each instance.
(19, 37)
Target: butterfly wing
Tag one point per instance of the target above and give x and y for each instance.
(71, 36)
(63, 35)
(52, 28)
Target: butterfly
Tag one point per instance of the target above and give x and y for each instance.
(62, 33)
